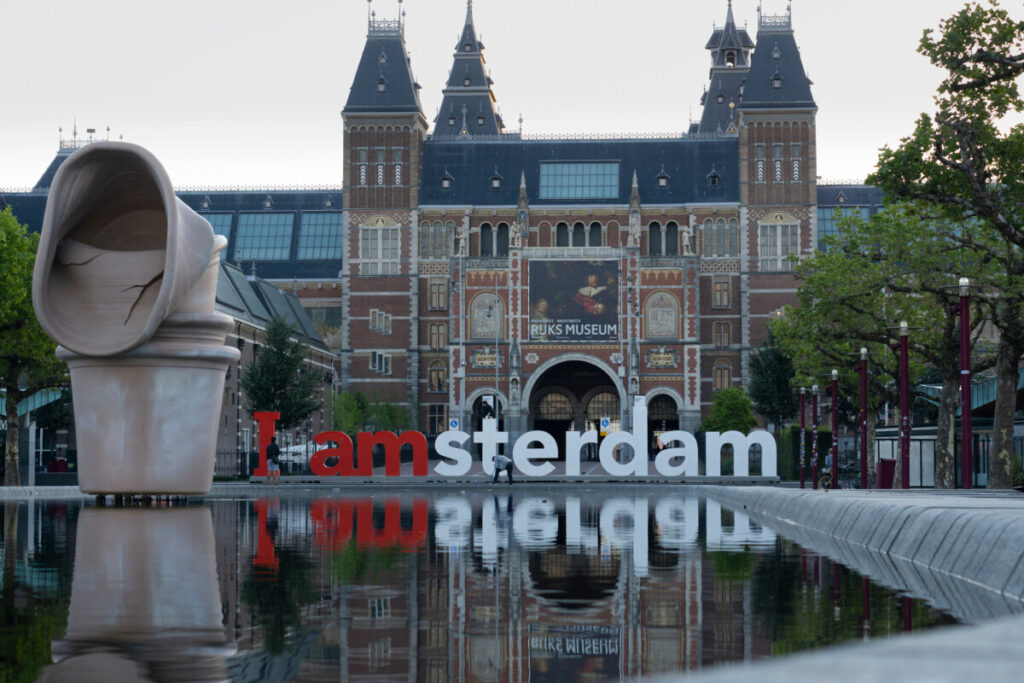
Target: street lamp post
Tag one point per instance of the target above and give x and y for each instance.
(966, 443)
(835, 429)
(803, 434)
(863, 418)
(814, 436)
(904, 405)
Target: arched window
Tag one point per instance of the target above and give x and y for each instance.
(671, 239)
(486, 240)
(437, 377)
(721, 238)
(579, 235)
(662, 316)
(594, 236)
(486, 317)
(722, 374)
(450, 238)
(734, 237)
(502, 240)
(654, 239)
(439, 242)
(709, 238)
(562, 235)
(605, 404)
(554, 406)
(425, 240)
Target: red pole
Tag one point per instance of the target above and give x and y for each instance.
(814, 436)
(835, 429)
(966, 440)
(905, 404)
(803, 435)
(863, 418)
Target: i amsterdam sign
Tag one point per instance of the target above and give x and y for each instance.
(531, 453)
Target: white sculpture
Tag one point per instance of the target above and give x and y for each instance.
(125, 282)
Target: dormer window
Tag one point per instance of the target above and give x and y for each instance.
(268, 203)
(714, 179)
(777, 80)
(663, 178)
(382, 85)
(720, 98)
(480, 120)
(451, 119)
(467, 81)
(468, 47)
(446, 180)
(206, 203)
(730, 59)
(496, 179)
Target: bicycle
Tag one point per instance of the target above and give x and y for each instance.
(825, 481)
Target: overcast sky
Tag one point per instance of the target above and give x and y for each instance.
(246, 92)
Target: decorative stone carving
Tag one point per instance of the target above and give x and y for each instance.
(125, 282)
(662, 316)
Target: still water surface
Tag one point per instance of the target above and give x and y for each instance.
(514, 586)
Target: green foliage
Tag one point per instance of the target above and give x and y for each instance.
(27, 355)
(771, 377)
(733, 566)
(26, 636)
(279, 381)
(354, 413)
(962, 163)
(355, 565)
(277, 599)
(56, 415)
(731, 410)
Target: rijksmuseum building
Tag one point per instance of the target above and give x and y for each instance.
(459, 260)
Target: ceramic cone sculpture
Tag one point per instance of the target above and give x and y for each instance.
(125, 282)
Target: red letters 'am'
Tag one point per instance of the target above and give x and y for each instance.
(343, 452)
(393, 449)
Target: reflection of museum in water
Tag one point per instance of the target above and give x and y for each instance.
(460, 259)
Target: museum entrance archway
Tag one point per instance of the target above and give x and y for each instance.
(574, 396)
(662, 416)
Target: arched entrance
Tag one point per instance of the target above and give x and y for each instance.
(573, 395)
(662, 416)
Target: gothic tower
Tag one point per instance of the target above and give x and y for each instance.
(778, 190)
(383, 142)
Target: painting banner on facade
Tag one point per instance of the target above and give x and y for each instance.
(574, 300)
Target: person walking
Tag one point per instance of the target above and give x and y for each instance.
(273, 466)
(502, 463)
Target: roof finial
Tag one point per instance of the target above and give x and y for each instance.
(469, 11)
(522, 180)
(728, 17)
(635, 184)
(369, 12)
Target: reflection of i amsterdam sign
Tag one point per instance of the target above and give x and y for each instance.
(532, 452)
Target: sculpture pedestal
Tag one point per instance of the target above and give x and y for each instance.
(143, 418)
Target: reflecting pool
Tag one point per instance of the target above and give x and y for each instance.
(512, 586)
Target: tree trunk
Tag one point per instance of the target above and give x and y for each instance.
(10, 539)
(945, 433)
(1000, 466)
(12, 473)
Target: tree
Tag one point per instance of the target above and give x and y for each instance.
(278, 380)
(354, 413)
(964, 162)
(771, 376)
(28, 361)
(731, 410)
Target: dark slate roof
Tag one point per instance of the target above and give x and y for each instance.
(29, 208)
(687, 160)
(776, 53)
(468, 109)
(46, 179)
(247, 300)
(717, 116)
(384, 57)
(849, 195)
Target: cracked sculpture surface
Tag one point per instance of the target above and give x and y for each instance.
(125, 282)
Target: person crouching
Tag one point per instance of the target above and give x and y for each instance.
(502, 463)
